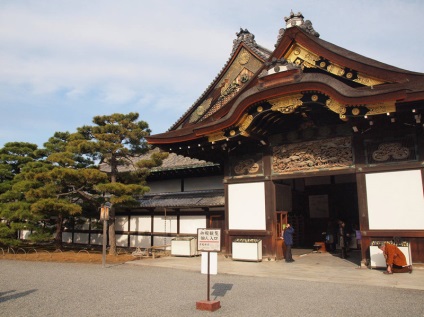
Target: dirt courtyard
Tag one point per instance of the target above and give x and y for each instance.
(81, 256)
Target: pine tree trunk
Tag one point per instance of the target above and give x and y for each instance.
(58, 237)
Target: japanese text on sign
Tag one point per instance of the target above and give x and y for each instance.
(209, 240)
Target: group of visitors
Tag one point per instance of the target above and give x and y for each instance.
(395, 259)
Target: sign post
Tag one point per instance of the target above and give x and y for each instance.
(104, 216)
(208, 240)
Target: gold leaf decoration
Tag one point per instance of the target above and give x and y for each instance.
(286, 104)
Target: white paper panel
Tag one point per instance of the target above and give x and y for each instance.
(24, 234)
(161, 225)
(121, 223)
(67, 237)
(141, 223)
(140, 241)
(81, 238)
(158, 241)
(246, 206)
(122, 240)
(96, 238)
(190, 224)
(395, 200)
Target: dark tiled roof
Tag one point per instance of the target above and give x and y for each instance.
(172, 162)
(199, 199)
(175, 161)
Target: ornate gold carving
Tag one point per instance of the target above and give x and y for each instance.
(286, 104)
(245, 122)
(314, 98)
(200, 110)
(232, 132)
(387, 150)
(216, 137)
(381, 108)
(300, 55)
(244, 57)
(299, 52)
(356, 111)
(237, 75)
(313, 155)
(248, 166)
(368, 81)
(335, 69)
(259, 109)
(336, 106)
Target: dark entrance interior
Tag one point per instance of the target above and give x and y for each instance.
(315, 204)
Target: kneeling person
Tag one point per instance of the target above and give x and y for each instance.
(395, 259)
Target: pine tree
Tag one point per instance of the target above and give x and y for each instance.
(117, 141)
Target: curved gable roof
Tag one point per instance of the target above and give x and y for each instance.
(245, 59)
(302, 62)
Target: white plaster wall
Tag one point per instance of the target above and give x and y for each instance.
(246, 206)
(121, 223)
(165, 224)
(122, 240)
(190, 224)
(395, 200)
(67, 237)
(158, 241)
(141, 223)
(81, 238)
(140, 241)
(24, 234)
(96, 238)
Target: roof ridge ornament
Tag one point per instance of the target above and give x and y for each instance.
(244, 36)
(297, 19)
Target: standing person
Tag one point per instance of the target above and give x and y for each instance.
(288, 241)
(331, 236)
(343, 243)
(395, 259)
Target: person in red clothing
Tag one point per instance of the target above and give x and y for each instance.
(395, 259)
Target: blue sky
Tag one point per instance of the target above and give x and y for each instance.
(62, 62)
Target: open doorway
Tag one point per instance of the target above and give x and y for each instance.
(315, 204)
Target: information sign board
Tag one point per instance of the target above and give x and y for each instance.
(209, 240)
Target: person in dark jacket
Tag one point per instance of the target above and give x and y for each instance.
(288, 241)
(343, 239)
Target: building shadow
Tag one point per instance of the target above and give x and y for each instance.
(10, 295)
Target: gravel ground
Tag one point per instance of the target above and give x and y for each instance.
(72, 289)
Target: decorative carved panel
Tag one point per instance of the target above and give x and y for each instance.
(305, 58)
(314, 155)
(239, 73)
(391, 150)
(247, 165)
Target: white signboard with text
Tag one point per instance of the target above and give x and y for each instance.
(209, 240)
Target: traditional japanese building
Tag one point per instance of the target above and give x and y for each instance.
(312, 132)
